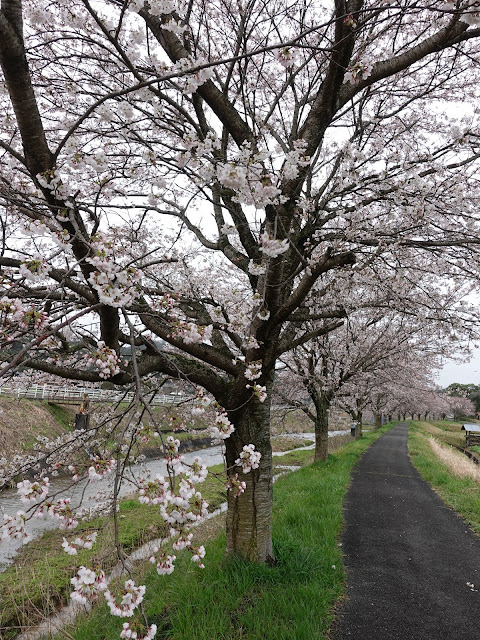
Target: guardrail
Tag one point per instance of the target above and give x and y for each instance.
(74, 395)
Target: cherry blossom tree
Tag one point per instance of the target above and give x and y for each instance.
(460, 406)
(367, 348)
(188, 172)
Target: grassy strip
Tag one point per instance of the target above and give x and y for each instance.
(233, 599)
(460, 493)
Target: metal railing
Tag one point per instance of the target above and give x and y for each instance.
(74, 395)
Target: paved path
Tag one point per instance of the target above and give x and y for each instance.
(408, 556)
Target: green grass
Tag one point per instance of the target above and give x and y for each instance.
(65, 417)
(461, 494)
(285, 443)
(237, 600)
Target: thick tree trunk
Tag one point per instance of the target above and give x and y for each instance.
(377, 421)
(321, 429)
(249, 516)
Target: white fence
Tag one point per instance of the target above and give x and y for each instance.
(74, 395)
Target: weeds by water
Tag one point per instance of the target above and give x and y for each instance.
(457, 462)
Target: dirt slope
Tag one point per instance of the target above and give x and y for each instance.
(22, 420)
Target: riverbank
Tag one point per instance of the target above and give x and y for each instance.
(232, 599)
(39, 580)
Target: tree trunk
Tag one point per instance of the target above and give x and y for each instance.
(358, 428)
(321, 429)
(377, 421)
(249, 516)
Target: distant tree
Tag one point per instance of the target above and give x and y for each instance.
(470, 391)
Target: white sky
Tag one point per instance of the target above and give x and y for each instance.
(462, 371)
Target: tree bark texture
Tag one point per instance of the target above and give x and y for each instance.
(358, 427)
(321, 429)
(249, 516)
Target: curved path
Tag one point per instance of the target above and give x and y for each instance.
(409, 558)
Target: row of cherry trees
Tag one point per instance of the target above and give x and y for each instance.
(214, 185)
(376, 361)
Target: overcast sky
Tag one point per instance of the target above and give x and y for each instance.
(463, 372)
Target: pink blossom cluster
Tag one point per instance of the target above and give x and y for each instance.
(164, 562)
(256, 269)
(14, 527)
(114, 282)
(52, 181)
(165, 302)
(88, 585)
(287, 57)
(258, 391)
(34, 269)
(100, 467)
(246, 175)
(62, 511)
(115, 286)
(189, 76)
(153, 491)
(185, 507)
(80, 542)
(197, 471)
(272, 247)
(145, 433)
(350, 21)
(223, 428)
(358, 71)
(198, 555)
(253, 370)
(105, 359)
(132, 596)
(170, 451)
(129, 632)
(294, 160)
(201, 402)
(191, 333)
(236, 486)
(249, 458)
(183, 539)
(263, 313)
(10, 307)
(31, 492)
(32, 319)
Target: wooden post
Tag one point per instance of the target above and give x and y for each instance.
(82, 418)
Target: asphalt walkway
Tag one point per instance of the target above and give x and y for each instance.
(409, 558)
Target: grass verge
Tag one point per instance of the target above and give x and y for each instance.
(236, 600)
(460, 493)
